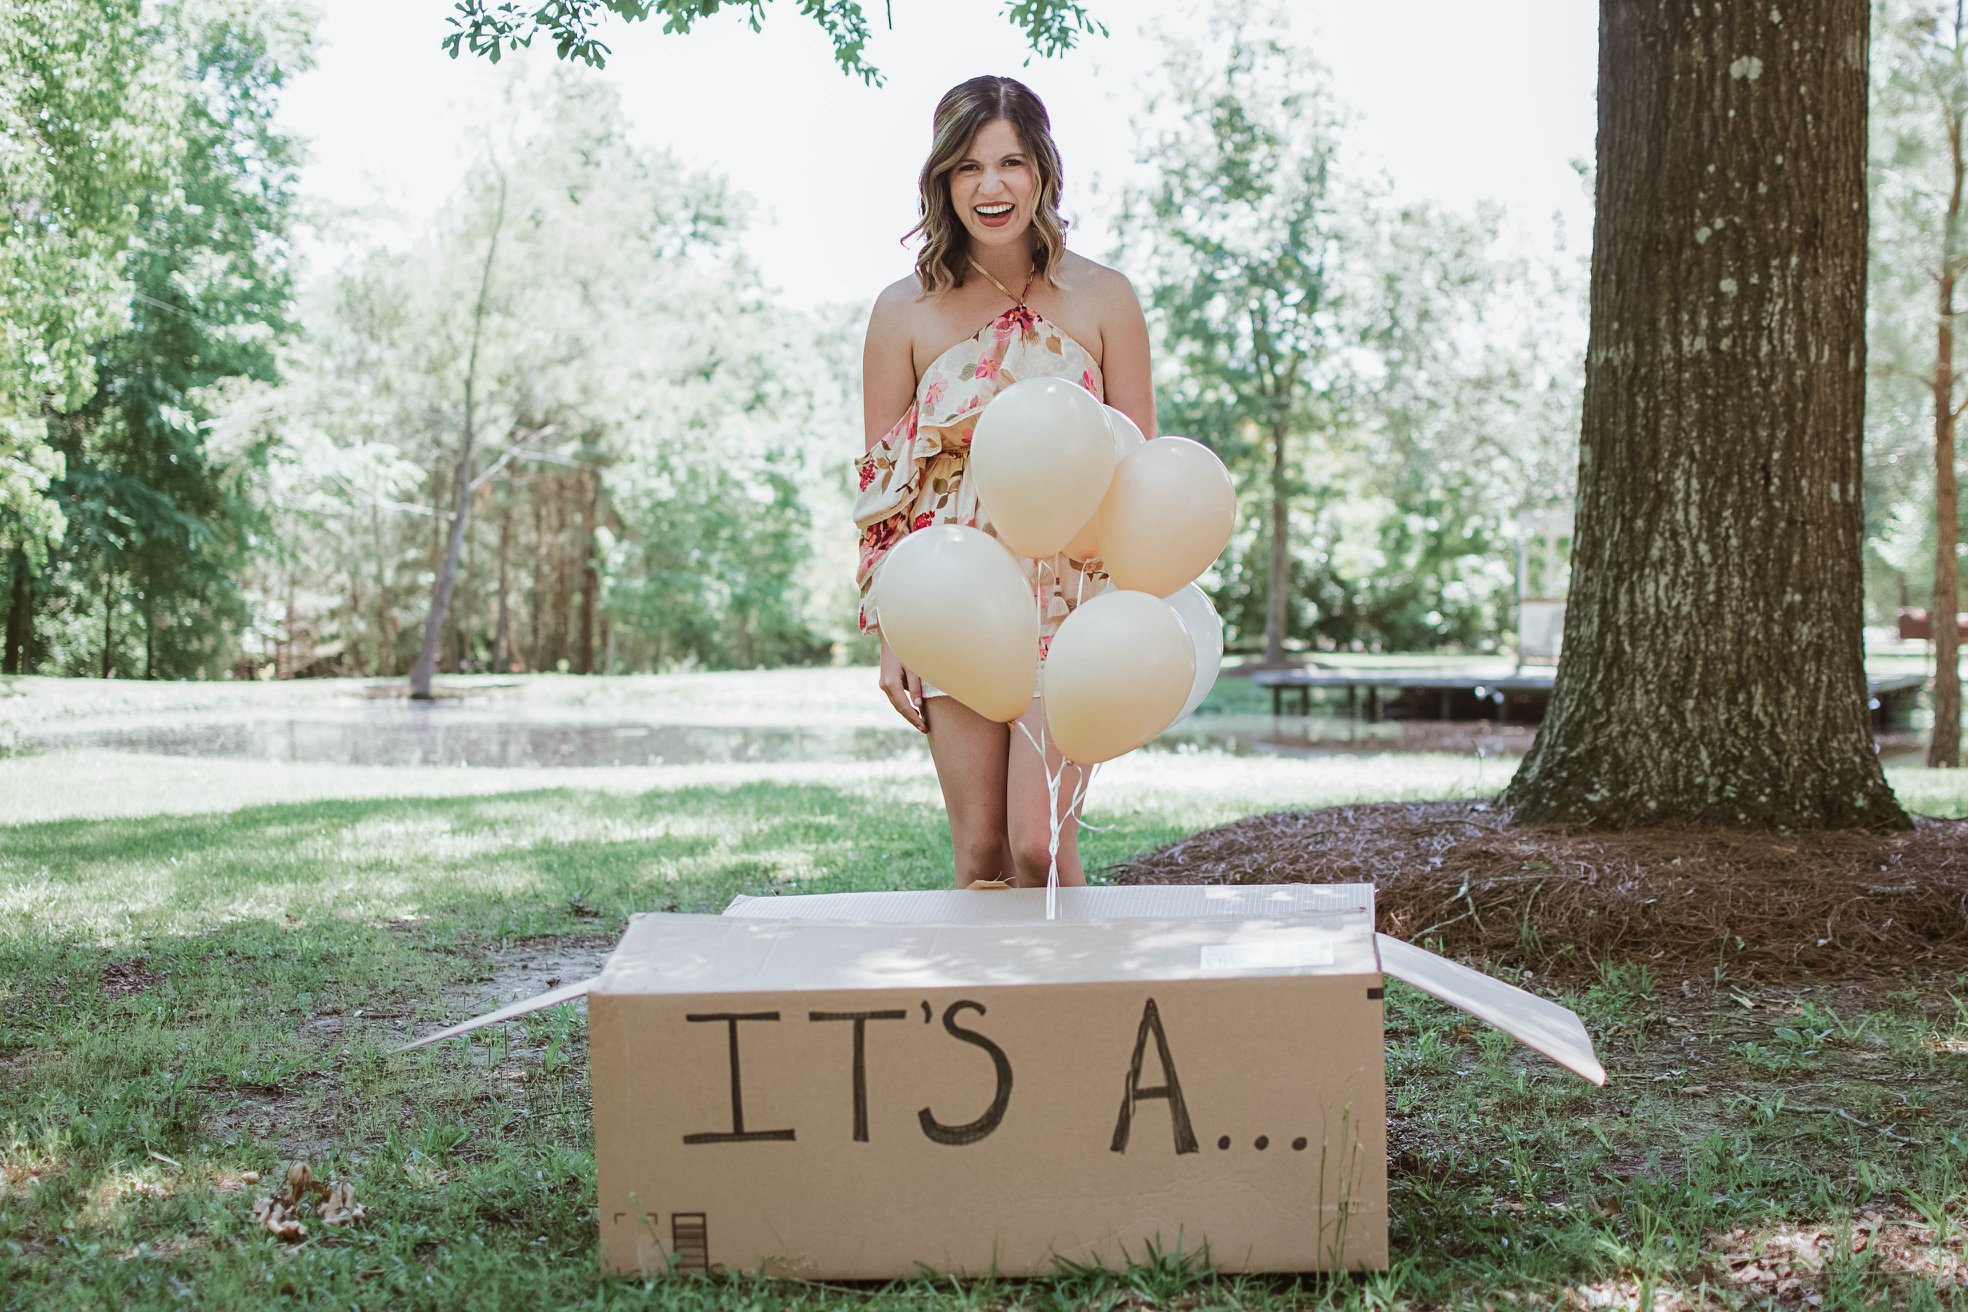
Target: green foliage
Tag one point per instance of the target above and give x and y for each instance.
(85, 129)
(648, 428)
(156, 507)
(492, 28)
(1919, 95)
(1393, 377)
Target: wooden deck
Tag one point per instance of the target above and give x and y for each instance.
(1519, 695)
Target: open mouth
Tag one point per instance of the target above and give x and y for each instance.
(994, 216)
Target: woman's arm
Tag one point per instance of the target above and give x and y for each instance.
(888, 366)
(1124, 352)
(888, 386)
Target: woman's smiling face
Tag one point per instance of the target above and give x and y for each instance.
(994, 185)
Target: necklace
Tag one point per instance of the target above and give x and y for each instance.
(1019, 298)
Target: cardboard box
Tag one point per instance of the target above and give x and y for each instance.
(865, 1086)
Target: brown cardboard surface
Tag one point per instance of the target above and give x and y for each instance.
(729, 954)
(1537, 1023)
(964, 906)
(991, 1126)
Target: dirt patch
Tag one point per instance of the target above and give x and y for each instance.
(121, 979)
(277, 1124)
(1780, 908)
(1792, 1265)
(524, 967)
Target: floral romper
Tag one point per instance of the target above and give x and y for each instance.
(914, 476)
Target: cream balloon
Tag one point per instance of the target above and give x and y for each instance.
(1041, 457)
(1116, 675)
(1167, 516)
(1127, 436)
(957, 609)
(1199, 618)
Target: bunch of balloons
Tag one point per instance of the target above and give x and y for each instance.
(1060, 475)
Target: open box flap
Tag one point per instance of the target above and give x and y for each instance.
(1535, 1022)
(538, 1002)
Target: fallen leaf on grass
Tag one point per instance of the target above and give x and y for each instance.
(340, 1207)
(277, 1219)
(280, 1214)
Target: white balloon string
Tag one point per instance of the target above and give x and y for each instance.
(1087, 782)
(1052, 778)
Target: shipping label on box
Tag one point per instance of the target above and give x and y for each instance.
(1089, 1093)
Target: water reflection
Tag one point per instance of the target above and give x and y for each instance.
(504, 737)
(418, 736)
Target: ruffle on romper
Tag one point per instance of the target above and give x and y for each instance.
(914, 477)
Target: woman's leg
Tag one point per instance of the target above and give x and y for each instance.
(1026, 808)
(969, 752)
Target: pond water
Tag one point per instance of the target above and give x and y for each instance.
(398, 734)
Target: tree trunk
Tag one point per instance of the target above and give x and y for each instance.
(20, 618)
(535, 613)
(150, 637)
(109, 615)
(1279, 587)
(563, 574)
(1713, 668)
(584, 651)
(1944, 747)
(502, 626)
(421, 672)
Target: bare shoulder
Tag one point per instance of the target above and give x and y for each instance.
(896, 307)
(1106, 289)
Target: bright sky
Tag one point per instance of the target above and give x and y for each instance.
(1456, 102)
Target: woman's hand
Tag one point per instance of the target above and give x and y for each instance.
(903, 687)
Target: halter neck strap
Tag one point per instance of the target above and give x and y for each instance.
(1019, 298)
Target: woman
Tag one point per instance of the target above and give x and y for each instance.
(993, 252)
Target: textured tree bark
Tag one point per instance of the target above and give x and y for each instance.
(584, 651)
(1713, 668)
(20, 618)
(1944, 746)
(563, 573)
(502, 627)
(535, 613)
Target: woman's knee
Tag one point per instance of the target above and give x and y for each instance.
(1033, 854)
(978, 856)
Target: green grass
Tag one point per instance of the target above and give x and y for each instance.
(202, 969)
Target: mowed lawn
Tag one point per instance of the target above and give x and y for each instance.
(204, 963)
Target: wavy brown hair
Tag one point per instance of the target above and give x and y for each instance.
(960, 115)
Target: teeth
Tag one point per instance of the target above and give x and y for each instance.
(994, 210)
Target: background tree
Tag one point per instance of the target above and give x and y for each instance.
(85, 128)
(161, 521)
(1239, 240)
(650, 432)
(1919, 253)
(1713, 667)
(1388, 383)
(1468, 380)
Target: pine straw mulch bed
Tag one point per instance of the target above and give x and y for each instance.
(1779, 908)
